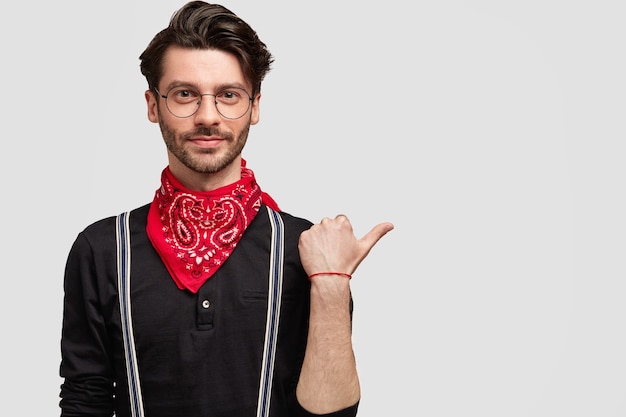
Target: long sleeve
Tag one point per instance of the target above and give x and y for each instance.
(88, 386)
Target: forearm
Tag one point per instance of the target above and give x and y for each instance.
(329, 380)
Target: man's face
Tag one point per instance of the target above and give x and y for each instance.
(204, 142)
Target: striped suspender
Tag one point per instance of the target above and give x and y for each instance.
(273, 313)
(271, 327)
(123, 286)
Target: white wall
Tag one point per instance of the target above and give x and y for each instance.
(490, 133)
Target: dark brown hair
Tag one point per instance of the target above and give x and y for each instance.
(202, 25)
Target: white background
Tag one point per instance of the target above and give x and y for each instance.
(491, 133)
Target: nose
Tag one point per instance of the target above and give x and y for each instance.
(207, 113)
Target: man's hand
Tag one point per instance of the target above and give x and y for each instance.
(331, 246)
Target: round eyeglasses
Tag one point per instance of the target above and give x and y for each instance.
(231, 103)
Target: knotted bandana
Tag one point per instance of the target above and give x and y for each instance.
(195, 232)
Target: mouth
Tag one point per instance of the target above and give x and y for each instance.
(206, 137)
(206, 141)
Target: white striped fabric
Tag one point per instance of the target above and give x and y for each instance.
(123, 286)
(273, 313)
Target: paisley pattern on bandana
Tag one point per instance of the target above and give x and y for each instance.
(193, 232)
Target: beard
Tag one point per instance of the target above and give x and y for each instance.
(203, 161)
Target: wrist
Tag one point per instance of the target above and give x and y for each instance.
(340, 274)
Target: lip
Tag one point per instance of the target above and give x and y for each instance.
(206, 141)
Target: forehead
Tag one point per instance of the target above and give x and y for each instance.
(203, 68)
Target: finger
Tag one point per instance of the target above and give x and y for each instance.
(342, 219)
(377, 232)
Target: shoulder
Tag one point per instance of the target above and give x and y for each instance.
(103, 230)
(294, 221)
(291, 226)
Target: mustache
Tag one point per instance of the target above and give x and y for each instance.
(207, 131)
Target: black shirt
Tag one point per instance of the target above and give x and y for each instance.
(198, 355)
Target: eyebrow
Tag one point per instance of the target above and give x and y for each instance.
(218, 87)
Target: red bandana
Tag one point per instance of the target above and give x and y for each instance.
(195, 232)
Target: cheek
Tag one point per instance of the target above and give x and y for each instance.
(161, 116)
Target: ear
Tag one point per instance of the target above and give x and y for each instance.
(255, 111)
(151, 101)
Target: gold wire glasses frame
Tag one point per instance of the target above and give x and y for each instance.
(231, 103)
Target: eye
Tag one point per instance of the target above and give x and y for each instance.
(229, 96)
(183, 94)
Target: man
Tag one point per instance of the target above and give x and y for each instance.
(198, 303)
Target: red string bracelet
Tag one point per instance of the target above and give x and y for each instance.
(331, 273)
